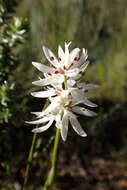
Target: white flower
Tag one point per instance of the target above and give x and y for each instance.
(68, 64)
(64, 91)
(61, 110)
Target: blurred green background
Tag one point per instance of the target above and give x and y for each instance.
(97, 162)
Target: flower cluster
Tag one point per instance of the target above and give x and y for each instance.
(64, 90)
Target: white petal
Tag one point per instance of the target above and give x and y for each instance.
(83, 111)
(84, 66)
(49, 109)
(36, 113)
(44, 94)
(48, 53)
(91, 86)
(77, 95)
(74, 102)
(44, 128)
(66, 57)
(89, 103)
(88, 86)
(57, 85)
(81, 60)
(72, 72)
(69, 43)
(83, 57)
(42, 67)
(75, 62)
(71, 83)
(76, 126)
(84, 101)
(77, 77)
(60, 52)
(64, 128)
(39, 121)
(55, 79)
(58, 121)
(74, 54)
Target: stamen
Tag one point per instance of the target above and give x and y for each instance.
(67, 107)
(75, 59)
(58, 91)
(59, 59)
(78, 59)
(75, 85)
(49, 73)
(56, 72)
(86, 91)
(61, 72)
(64, 67)
(51, 58)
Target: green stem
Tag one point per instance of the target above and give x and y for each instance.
(65, 83)
(51, 176)
(55, 148)
(30, 157)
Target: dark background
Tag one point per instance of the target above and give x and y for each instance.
(98, 162)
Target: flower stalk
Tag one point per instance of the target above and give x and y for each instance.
(30, 157)
(52, 173)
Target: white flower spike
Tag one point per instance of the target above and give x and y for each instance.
(63, 90)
